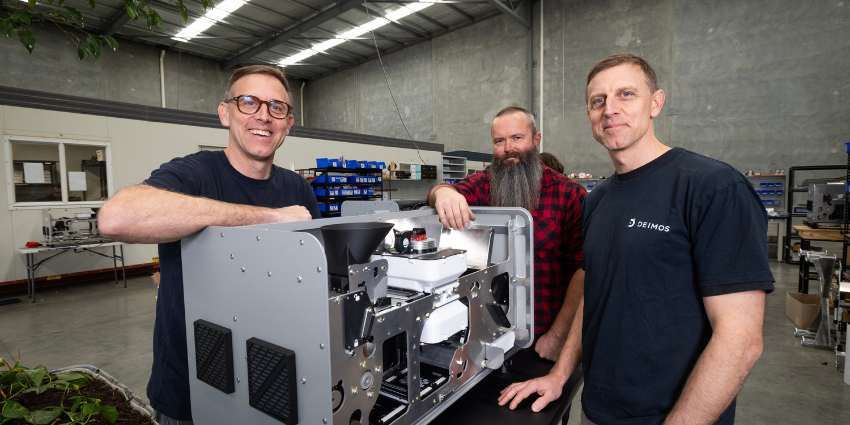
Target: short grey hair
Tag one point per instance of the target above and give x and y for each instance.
(528, 116)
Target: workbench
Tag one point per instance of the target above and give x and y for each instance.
(32, 265)
(807, 235)
(480, 406)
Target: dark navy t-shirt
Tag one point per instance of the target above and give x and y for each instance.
(656, 241)
(209, 175)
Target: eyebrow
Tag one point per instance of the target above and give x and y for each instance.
(619, 89)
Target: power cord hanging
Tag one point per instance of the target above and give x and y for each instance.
(375, 40)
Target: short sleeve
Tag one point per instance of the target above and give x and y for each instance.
(181, 175)
(729, 238)
(572, 226)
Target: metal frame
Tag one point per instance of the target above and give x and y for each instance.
(32, 266)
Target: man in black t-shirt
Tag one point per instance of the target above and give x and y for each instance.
(235, 187)
(676, 272)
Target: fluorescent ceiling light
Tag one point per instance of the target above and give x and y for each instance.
(372, 25)
(209, 19)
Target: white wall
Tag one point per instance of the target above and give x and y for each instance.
(138, 147)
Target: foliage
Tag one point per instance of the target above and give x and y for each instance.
(19, 380)
(17, 18)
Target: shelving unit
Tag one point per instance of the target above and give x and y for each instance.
(327, 185)
(771, 189)
(589, 184)
(454, 167)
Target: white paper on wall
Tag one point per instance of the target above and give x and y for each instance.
(33, 172)
(77, 181)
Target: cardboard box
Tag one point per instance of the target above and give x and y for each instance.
(155, 277)
(802, 309)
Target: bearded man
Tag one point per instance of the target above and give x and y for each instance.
(517, 178)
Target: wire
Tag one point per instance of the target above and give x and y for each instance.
(375, 40)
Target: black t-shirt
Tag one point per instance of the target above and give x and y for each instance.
(209, 175)
(656, 241)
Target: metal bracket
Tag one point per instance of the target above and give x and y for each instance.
(672, 111)
(371, 277)
(535, 63)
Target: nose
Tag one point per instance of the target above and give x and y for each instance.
(263, 113)
(612, 107)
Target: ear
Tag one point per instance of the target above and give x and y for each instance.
(657, 103)
(291, 120)
(222, 114)
(537, 139)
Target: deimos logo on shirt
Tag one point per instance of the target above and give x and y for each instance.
(648, 225)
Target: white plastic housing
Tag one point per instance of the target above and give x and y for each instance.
(445, 322)
(423, 275)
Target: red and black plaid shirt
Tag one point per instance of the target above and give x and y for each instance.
(558, 242)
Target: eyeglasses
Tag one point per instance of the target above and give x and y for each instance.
(249, 105)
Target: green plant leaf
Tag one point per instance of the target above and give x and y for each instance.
(6, 27)
(91, 4)
(75, 14)
(27, 39)
(23, 17)
(70, 376)
(183, 12)
(60, 3)
(207, 4)
(131, 10)
(38, 374)
(113, 44)
(14, 410)
(77, 417)
(110, 413)
(32, 3)
(90, 409)
(3, 420)
(42, 417)
(95, 45)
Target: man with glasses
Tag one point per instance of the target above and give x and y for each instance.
(235, 187)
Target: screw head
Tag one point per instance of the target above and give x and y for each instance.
(258, 238)
(384, 268)
(234, 318)
(318, 269)
(222, 235)
(231, 256)
(322, 346)
(237, 380)
(270, 274)
(324, 421)
(303, 380)
(243, 269)
(301, 242)
(298, 279)
(351, 272)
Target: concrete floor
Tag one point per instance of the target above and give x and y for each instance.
(105, 325)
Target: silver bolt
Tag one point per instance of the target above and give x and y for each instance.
(222, 235)
(258, 238)
(371, 394)
(231, 256)
(246, 357)
(243, 269)
(322, 346)
(351, 272)
(234, 319)
(303, 380)
(301, 242)
(407, 308)
(354, 390)
(365, 269)
(238, 381)
(418, 318)
(270, 274)
(459, 362)
(318, 269)
(298, 279)
(324, 421)
(378, 369)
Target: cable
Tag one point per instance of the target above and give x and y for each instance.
(375, 40)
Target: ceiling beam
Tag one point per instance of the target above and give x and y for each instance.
(460, 12)
(117, 22)
(315, 21)
(510, 12)
(372, 12)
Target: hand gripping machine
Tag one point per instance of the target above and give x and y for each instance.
(378, 319)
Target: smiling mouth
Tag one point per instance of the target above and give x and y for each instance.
(261, 133)
(608, 127)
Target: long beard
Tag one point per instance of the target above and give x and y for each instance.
(516, 185)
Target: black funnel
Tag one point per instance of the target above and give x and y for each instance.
(352, 243)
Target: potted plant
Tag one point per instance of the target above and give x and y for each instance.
(74, 395)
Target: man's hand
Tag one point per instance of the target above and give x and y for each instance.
(547, 387)
(452, 207)
(549, 346)
(294, 213)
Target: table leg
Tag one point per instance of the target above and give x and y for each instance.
(32, 276)
(114, 264)
(29, 274)
(123, 272)
(805, 244)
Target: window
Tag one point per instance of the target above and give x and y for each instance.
(45, 172)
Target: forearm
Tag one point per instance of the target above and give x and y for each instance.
(432, 198)
(564, 319)
(716, 379)
(144, 214)
(571, 354)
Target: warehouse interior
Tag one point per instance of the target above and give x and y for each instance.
(407, 90)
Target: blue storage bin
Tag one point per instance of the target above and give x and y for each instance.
(778, 184)
(379, 179)
(382, 165)
(329, 208)
(351, 164)
(331, 179)
(372, 164)
(369, 192)
(321, 162)
(779, 192)
(330, 192)
(771, 192)
(346, 192)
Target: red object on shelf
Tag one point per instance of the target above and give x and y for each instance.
(33, 244)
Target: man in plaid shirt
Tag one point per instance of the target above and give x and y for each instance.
(517, 178)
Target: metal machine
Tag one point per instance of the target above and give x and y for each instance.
(376, 319)
(81, 228)
(826, 203)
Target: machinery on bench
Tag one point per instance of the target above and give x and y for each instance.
(378, 319)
